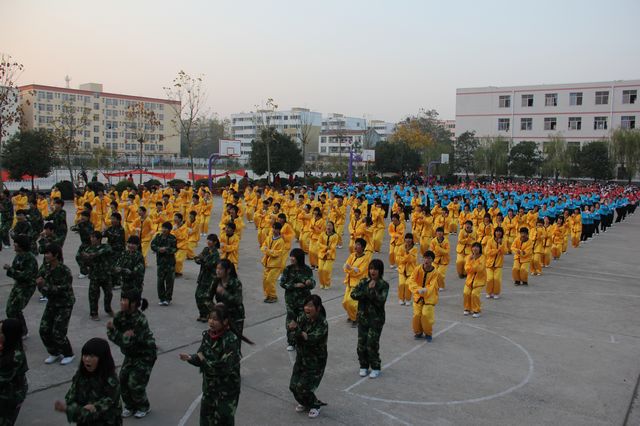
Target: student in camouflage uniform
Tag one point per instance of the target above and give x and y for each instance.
(59, 219)
(55, 282)
(218, 359)
(371, 294)
(23, 228)
(115, 239)
(47, 237)
(130, 267)
(34, 216)
(13, 369)
(130, 331)
(94, 396)
(164, 245)
(227, 289)
(84, 228)
(297, 281)
(98, 257)
(23, 270)
(311, 331)
(6, 217)
(207, 260)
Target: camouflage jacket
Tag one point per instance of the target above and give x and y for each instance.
(57, 286)
(84, 229)
(24, 270)
(36, 220)
(115, 238)
(133, 262)
(169, 242)
(312, 353)
(99, 261)
(231, 297)
(6, 211)
(104, 395)
(22, 228)
(43, 242)
(220, 367)
(371, 302)
(291, 276)
(142, 344)
(13, 380)
(207, 260)
(59, 219)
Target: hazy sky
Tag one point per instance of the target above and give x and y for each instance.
(382, 59)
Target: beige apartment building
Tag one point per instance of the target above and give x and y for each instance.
(108, 126)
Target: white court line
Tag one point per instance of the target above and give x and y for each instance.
(613, 339)
(196, 402)
(392, 417)
(524, 382)
(596, 272)
(399, 357)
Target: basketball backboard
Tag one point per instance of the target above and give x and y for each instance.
(369, 155)
(230, 148)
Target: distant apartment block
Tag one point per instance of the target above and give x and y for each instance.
(108, 126)
(579, 112)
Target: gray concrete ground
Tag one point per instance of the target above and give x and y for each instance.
(562, 351)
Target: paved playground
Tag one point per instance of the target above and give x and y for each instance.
(564, 351)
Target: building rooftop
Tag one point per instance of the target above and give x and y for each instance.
(91, 93)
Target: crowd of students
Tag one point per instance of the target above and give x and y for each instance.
(533, 222)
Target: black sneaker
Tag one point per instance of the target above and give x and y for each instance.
(525, 283)
(516, 283)
(428, 337)
(417, 336)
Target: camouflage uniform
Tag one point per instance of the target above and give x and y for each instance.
(104, 395)
(207, 260)
(311, 360)
(55, 319)
(232, 300)
(6, 221)
(133, 277)
(84, 229)
(166, 264)
(35, 219)
(115, 238)
(13, 383)
(294, 297)
(371, 319)
(99, 264)
(23, 270)
(24, 229)
(140, 355)
(220, 377)
(59, 219)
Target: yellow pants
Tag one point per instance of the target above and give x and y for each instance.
(460, 264)
(340, 231)
(546, 259)
(509, 243)
(392, 254)
(565, 244)
(325, 268)
(575, 240)
(424, 243)
(494, 280)
(145, 249)
(556, 250)
(304, 242)
(191, 249)
(471, 299)
(520, 271)
(423, 318)
(453, 227)
(349, 305)
(269, 278)
(205, 224)
(536, 265)
(313, 253)
(378, 236)
(250, 212)
(403, 289)
(443, 271)
(181, 255)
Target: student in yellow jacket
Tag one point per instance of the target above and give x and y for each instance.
(427, 231)
(476, 270)
(522, 249)
(539, 238)
(304, 219)
(230, 244)
(377, 215)
(510, 226)
(396, 235)
(327, 243)
(274, 250)
(424, 283)
(558, 231)
(494, 250)
(576, 228)
(317, 227)
(355, 269)
(193, 223)
(338, 216)
(454, 210)
(548, 243)
(144, 228)
(407, 259)
(440, 247)
(356, 228)
(485, 230)
(466, 238)
(181, 232)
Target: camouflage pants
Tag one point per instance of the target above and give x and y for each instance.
(94, 295)
(166, 277)
(53, 329)
(303, 384)
(84, 268)
(369, 346)
(218, 407)
(5, 227)
(203, 298)
(134, 377)
(9, 412)
(293, 313)
(18, 299)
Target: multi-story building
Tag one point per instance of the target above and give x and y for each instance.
(10, 100)
(579, 112)
(384, 129)
(299, 123)
(108, 126)
(338, 142)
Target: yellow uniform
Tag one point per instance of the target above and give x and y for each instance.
(441, 250)
(476, 271)
(355, 269)
(274, 250)
(407, 260)
(463, 249)
(539, 237)
(229, 248)
(495, 252)
(326, 256)
(424, 285)
(182, 242)
(396, 234)
(522, 255)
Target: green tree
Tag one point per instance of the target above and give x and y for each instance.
(524, 159)
(555, 157)
(285, 155)
(205, 138)
(626, 151)
(595, 161)
(465, 149)
(492, 156)
(30, 153)
(68, 125)
(396, 157)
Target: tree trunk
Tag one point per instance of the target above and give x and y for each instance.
(70, 167)
(33, 187)
(193, 173)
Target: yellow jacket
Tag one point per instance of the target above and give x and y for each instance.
(327, 246)
(431, 281)
(476, 270)
(273, 249)
(406, 260)
(539, 237)
(352, 278)
(396, 232)
(522, 251)
(465, 239)
(495, 252)
(229, 247)
(441, 250)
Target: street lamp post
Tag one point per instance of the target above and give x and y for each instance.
(141, 141)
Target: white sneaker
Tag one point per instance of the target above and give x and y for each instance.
(488, 296)
(53, 358)
(290, 348)
(43, 299)
(314, 412)
(476, 315)
(401, 302)
(495, 296)
(140, 414)
(161, 303)
(442, 289)
(339, 247)
(67, 360)
(300, 408)
(82, 276)
(374, 374)
(465, 313)
(364, 372)
(126, 413)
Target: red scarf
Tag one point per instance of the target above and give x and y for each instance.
(215, 336)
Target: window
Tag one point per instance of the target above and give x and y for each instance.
(575, 123)
(629, 96)
(96, 139)
(96, 129)
(550, 123)
(599, 123)
(505, 101)
(503, 124)
(628, 122)
(602, 98)
(527, 100)
(526, 123)
(551, 99)
(575, 98)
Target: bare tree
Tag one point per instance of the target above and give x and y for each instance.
(304, 135)
(10, 114)
(262, 118)
(190, 94)
(67, 126)
(142, 122)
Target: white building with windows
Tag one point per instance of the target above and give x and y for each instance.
(579, 112)
(382, 128)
